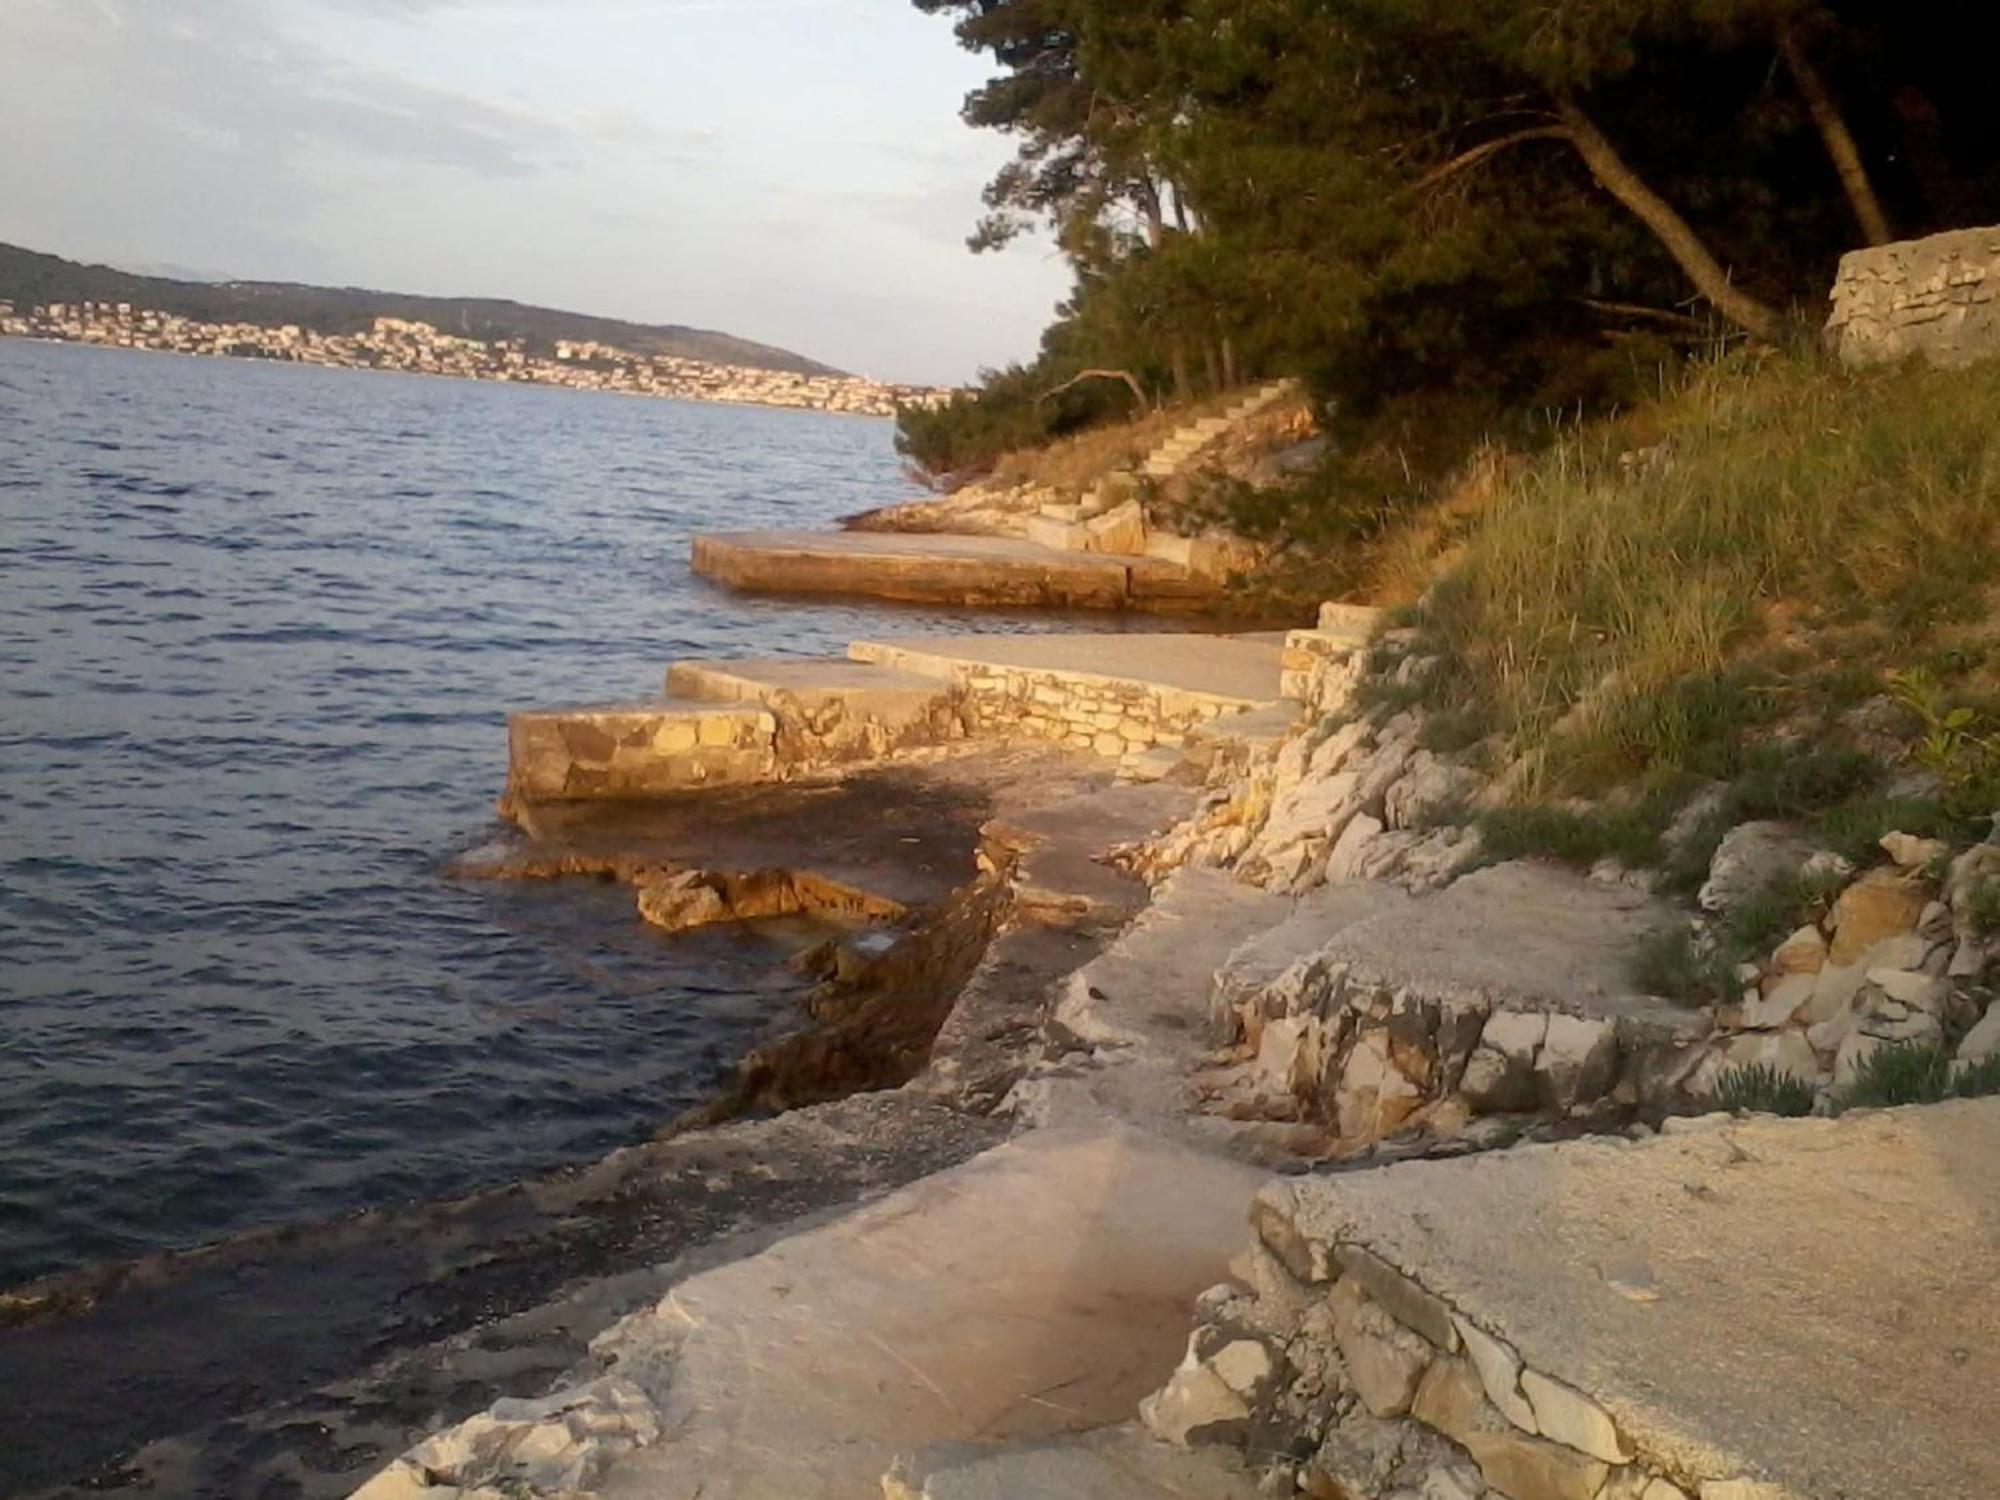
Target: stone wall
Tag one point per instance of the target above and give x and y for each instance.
(636, 750)
(1932, 297)
(1111, 716)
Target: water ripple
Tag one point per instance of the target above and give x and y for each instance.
(259, 630)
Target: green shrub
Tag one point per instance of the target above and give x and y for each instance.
(1760, 1089)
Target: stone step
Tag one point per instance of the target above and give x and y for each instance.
(1355, 620)
(807, 680)
(1115, 1463)
(1058, 535)
(638, 749)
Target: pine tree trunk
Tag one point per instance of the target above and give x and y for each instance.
(1708, 274)
(1840, 146)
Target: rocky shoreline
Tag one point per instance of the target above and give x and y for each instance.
(1328, 979)
(940, 1237)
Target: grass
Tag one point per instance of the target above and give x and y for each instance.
(1675, 966)
(1760, 1089)
(1572, 836)
(1615, 619)
(1916, 1073)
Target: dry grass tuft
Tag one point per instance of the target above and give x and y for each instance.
(1602, 605)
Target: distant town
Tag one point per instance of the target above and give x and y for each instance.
(418, 348)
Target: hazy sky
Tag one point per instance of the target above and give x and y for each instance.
(788, 170)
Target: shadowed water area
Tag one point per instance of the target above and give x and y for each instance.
(259, 629)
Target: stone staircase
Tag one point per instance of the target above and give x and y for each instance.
(1174, 456)
(1109, 519)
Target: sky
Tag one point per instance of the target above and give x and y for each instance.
(791, 171)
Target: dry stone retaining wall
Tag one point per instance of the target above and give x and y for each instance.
(1933, 297)
(1331, 1362)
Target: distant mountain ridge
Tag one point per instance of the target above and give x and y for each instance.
(29, 277)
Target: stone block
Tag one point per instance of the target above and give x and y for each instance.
(1403, 1299)
(1518, 1464)
(1384, 1359)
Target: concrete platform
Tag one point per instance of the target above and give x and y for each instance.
(1236, 672)
(1041, 1289)
(944, 569)
(1766, 1309)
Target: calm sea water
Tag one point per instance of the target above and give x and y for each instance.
(259, 629)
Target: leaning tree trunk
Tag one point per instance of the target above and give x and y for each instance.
(1840, 146)
(1708, 274)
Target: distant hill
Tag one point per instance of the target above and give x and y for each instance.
(28, 277)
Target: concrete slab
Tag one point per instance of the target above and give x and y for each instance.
(1522, 935)
(939, 569)
(1810, 1305)
(811, 679)
(1143, 1007)
(1041, 1289)
(1240, 670)
(1119, 1463)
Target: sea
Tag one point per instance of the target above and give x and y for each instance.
(260, 626)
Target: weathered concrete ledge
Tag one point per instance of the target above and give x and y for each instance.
(1114, 694)
(1750, 1310)
(942, 569)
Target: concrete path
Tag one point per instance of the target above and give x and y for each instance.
(1041, 1289)
(1242, 670)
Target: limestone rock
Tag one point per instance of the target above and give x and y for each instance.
(1578, 1061)
(1750, 857)
(1983, 1041)
(1122, 529)
(1912, 853)
(1516, 1463)
(1804, 952)
(1384, 1359)
(1344, 863)
(1916, 990)
(1835, 988)
(1776, 1006)
(1568, 1416)
(1499, 1370)
(1373, 1096)
(1500, 1074)
(1195, 1406)
(1403, 1299)
(1881, 904)
(1431, 788)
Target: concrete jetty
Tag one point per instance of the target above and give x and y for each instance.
(947, 569)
